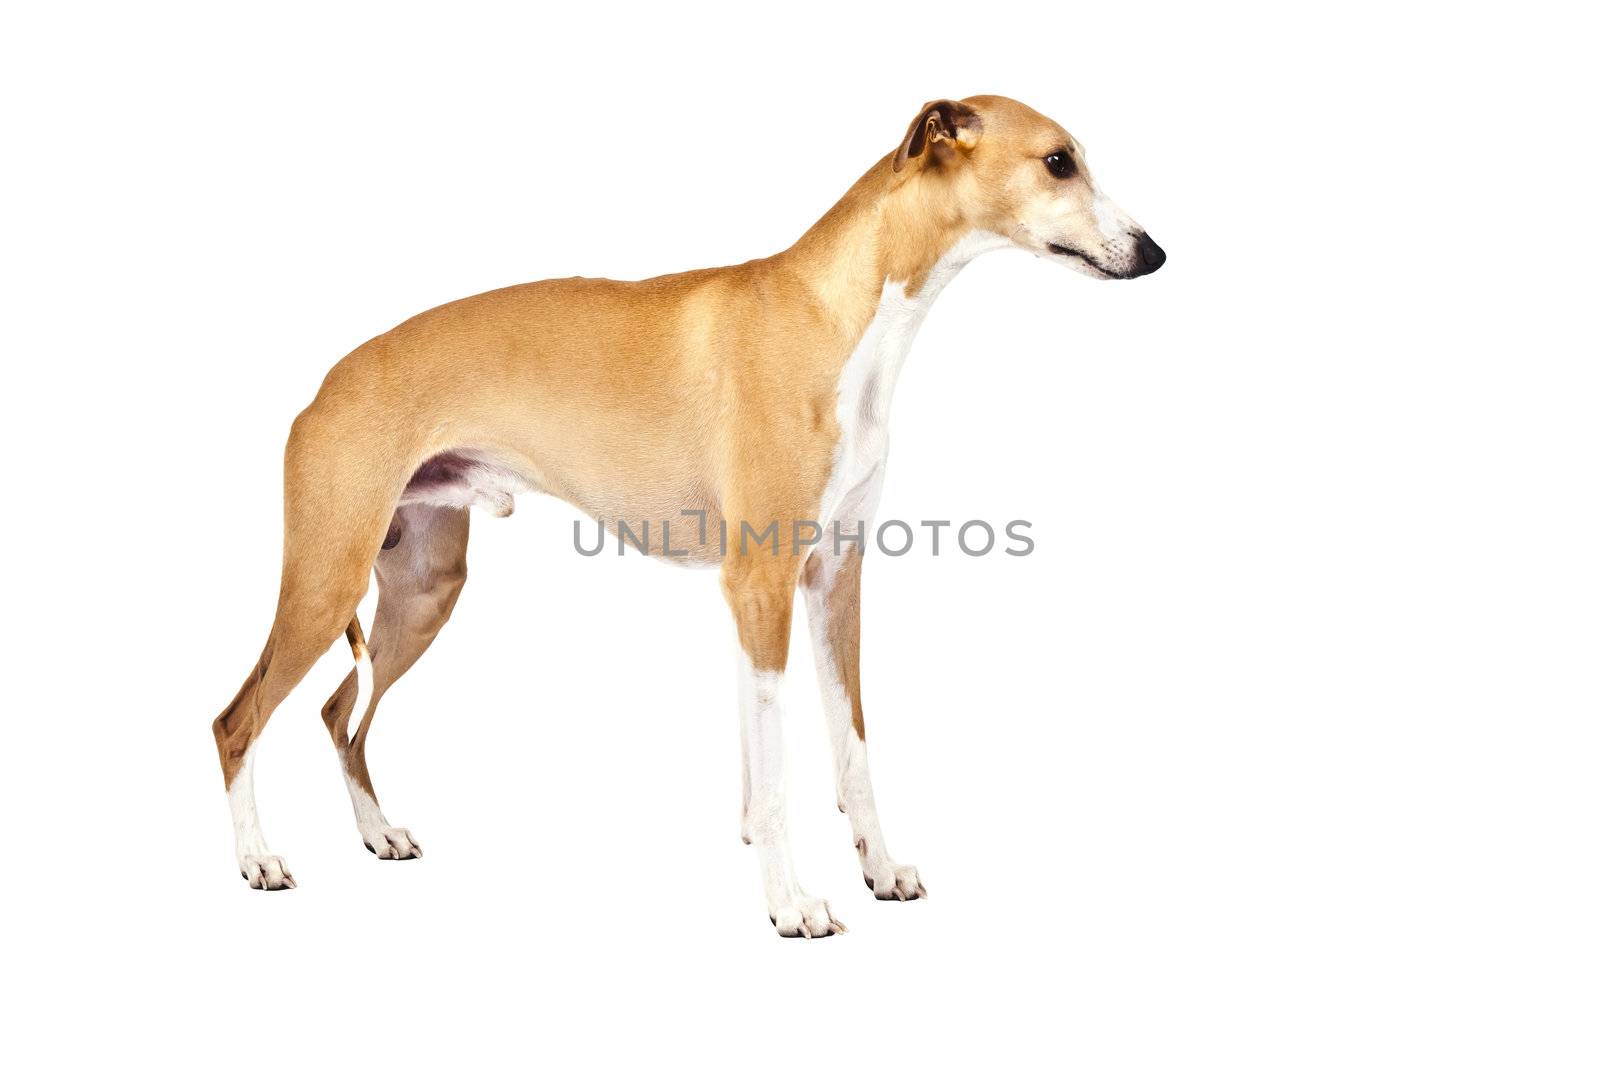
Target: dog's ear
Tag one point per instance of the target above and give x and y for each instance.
(941, 126)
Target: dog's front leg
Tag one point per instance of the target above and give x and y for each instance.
(833, 605)
(760, 591)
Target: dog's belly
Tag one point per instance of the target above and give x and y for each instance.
(679, 524)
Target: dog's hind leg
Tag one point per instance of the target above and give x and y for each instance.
(336, 508)
(421, 570)
(300, 635)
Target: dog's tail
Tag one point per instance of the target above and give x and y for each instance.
(358, 647)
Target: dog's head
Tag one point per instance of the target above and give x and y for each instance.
(1010, 170)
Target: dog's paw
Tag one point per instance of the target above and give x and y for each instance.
(896, 882)
(265, 872)
(806, 917)
(392, 843)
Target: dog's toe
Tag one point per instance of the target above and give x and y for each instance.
(392, 843)
(896, 882)
(806, 917)
(266, 872)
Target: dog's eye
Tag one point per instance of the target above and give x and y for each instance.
(1060, 165)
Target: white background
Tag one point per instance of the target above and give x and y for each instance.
(1280, 749)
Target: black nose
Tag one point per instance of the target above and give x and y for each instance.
(1147, 255)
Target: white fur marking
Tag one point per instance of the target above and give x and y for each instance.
(256, 862)
(1113, 225)
(866, 385)
(363, 685)
(794, 913)
(386, 842)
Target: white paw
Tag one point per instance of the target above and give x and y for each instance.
(806, 917)
(265, 872)
(896, 882)
(392, 843)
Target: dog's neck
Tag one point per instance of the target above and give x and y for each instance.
(875, 263)
(889, 231)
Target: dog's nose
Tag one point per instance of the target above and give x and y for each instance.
(1148, 255)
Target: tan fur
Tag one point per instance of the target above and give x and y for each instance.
(713, 389)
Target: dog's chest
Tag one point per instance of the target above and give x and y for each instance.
(866, 386)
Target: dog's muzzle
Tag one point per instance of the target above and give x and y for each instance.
(1145, 257)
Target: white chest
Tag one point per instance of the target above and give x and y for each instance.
(866, 385)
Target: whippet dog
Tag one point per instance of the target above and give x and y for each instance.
(751, 397)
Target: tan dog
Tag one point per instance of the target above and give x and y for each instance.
(749, 397)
